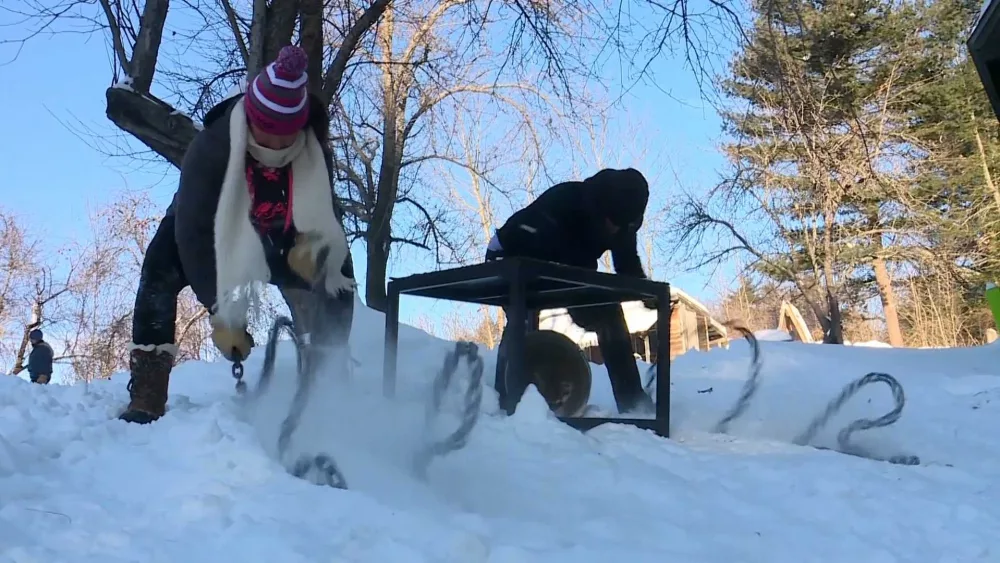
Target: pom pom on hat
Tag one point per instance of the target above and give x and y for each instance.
(277, 101)
(291, 62)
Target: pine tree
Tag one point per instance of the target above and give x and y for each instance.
(863, 153)
(955, 157)
(809, 143)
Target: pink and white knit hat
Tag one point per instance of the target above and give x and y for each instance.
(277, 101)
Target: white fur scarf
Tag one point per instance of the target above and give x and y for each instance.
(239, 254)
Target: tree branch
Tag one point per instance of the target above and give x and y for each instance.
(335, 72)
(235, 27)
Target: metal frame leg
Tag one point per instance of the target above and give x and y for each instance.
(499, 379)
(531, 319)
(391, 340)
(514, 382)
(663, 310)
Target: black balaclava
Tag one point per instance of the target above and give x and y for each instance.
(621, 196)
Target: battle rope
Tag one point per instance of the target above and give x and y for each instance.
(323, 464)
(843, 437)
(470, 413)
(749, 388)
(833, 407)
(325, 468)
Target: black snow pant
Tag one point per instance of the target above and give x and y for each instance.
(608, 322)
(162, 279)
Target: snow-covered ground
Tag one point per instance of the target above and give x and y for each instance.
(202, 484)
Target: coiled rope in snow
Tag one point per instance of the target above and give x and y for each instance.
(843, 437)
(749, 388)
(473, 398)
(321, 468)
(844, 443)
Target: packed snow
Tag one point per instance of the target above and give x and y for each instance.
(203, 484)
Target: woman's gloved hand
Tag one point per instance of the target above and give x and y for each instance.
(302, 261)
(302, 256)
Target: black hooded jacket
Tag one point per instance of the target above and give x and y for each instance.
(40, 359)
(567, 223)
(202, 173)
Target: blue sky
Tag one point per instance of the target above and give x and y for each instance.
(55, 176)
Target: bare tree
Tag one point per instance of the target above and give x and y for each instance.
(393, 123)
(18, 253)
(755, 302)
(230, 40)
(210, 47)
(32, 292)
(482, 329)
(606, 140)
(104, 287)
(44, 310)
(478, 196)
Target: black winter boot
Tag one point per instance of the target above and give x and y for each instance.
(626, 384)
(149, 383)
(641, 406)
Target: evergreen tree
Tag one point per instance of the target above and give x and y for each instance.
(864, 152)
(948, 137)
(809, 144)
(956, 154)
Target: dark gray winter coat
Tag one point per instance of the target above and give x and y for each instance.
(202, 172)
(566, 224)
(40, 360)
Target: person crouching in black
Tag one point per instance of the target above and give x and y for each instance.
(575, 223)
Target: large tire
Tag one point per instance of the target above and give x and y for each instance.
(558, 368)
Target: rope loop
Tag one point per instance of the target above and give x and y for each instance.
(472, 400)
(844, 443)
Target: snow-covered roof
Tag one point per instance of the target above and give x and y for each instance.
(637, 318)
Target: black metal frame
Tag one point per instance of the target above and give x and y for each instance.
(522, 284)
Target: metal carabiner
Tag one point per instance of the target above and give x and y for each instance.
(241, 385)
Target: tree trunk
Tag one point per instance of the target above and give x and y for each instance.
(379, 234)
(833, 332)
(147, 44)
(279, 25)
(833, 323)
(987, 176)
(884, 281)
(156, 123)
(256, 51)
(377, 259)
(888, 297)
(22, 349)
(311, 37)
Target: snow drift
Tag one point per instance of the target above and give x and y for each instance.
(202, 483)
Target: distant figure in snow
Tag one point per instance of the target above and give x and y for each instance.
(575, 223)
(255, 203)
(40, 358)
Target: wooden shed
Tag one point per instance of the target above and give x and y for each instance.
(692, 327)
